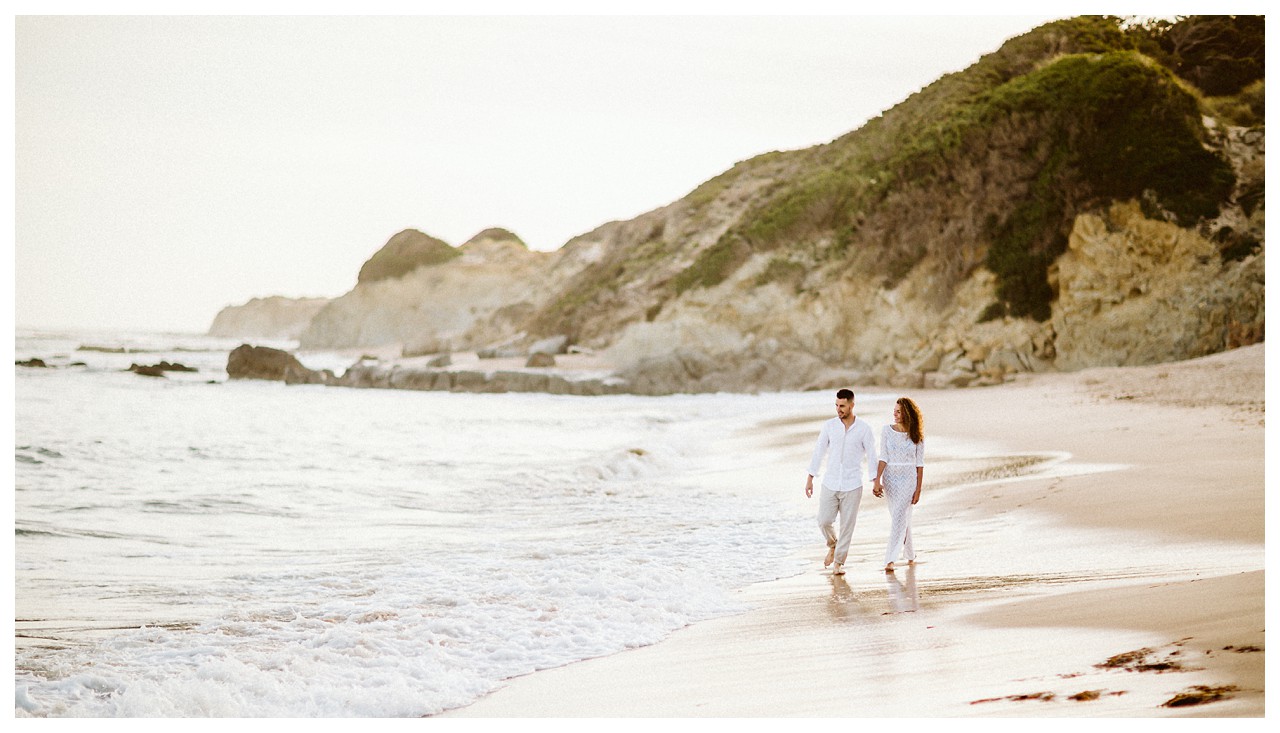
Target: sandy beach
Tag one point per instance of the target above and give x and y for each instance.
(1091, 544)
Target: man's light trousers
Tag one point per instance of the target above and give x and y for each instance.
(845, 504)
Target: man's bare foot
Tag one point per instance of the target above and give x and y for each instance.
(838, 569)
(831, 555)
(888, 568)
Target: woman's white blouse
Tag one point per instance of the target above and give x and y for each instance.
(896, 449)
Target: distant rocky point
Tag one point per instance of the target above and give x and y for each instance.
(428, 297)
(272, 318)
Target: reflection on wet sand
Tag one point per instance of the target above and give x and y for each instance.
(903, 597)
(861, 602)
(844, 604)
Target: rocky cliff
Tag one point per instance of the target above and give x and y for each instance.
(1070, 200)
(273, 318)
(427, 296)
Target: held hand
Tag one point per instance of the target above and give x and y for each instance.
(877, 488)
(808, 488)
(915, 498)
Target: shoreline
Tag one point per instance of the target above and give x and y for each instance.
(1029, 587)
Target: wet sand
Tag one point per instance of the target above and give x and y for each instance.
(1091, 544)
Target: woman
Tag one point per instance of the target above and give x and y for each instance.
(901, 474)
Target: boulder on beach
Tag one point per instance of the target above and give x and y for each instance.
(264, 362)
(34, 362)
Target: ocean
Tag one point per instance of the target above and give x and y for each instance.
(193, 546)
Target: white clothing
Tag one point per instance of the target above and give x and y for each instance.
(844, 503)
(901, 458)
(845, 451)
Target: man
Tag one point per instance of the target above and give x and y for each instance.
(847, 442)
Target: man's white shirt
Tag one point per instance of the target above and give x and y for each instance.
(845, 451)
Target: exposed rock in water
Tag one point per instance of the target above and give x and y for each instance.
(146, 371)
(264, 362)
(33, 362)
(158, 370)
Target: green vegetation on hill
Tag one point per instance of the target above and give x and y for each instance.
(1078, 114)
(403, 253)
(986, 168)
(496, 234)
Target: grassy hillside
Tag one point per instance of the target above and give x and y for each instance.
(985, 168)
(404, 253)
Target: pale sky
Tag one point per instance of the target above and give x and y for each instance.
(169, 166)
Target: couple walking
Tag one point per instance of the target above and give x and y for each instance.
(899, 473)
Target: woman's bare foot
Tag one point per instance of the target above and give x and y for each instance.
(888, 568)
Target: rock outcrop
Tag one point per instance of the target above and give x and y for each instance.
(270, 318)
(1135, 291)
(264, 362)
(258, 362)
(460, 302)
(158, 370)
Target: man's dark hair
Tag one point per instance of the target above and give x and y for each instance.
(844, 394)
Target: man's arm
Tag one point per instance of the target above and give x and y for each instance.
(815, 464)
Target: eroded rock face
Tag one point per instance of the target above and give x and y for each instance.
(1136, 291)
(740, 338)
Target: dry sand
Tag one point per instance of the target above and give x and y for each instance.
(1091, 544)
